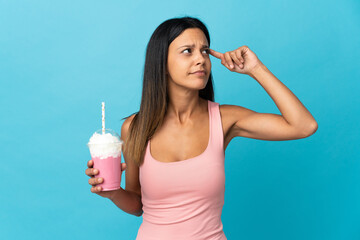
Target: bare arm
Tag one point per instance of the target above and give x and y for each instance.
(295, 121)
(128, 200)
(293, 111)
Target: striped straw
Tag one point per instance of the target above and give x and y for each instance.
(103, 117)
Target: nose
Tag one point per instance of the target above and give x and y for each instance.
(200, 58)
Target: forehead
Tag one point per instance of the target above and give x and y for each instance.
(190, 36)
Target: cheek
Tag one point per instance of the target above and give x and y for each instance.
(180, 69)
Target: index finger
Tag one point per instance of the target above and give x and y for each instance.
(215, 53)
(90, 163)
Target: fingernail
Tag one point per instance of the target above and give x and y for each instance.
(98, 188)
(99, 180)
(231, 66)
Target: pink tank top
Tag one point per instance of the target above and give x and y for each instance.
(184, 200)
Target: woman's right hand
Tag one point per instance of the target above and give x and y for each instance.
(93, 181)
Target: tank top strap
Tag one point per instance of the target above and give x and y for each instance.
(217, 136)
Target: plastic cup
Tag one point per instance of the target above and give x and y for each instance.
(105, 150)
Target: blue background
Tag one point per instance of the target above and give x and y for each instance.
(60, 59)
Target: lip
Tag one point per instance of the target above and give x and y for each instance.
(200, 73)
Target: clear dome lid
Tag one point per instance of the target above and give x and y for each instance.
(108, 130)
(109, 137)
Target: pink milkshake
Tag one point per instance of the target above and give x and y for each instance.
(105, 150)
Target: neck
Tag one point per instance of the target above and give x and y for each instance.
(182, 107)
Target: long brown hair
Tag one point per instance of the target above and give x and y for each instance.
(154, 100)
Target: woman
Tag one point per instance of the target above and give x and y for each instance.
(174, 146)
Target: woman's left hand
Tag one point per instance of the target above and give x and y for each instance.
(241, 60)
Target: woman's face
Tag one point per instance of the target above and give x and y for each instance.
(187, 54)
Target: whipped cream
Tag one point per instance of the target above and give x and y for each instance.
(105, 145)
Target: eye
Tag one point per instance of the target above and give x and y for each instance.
(207, 51)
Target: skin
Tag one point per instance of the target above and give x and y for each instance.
(185, 131)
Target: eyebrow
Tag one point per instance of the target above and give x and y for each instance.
(203, 46)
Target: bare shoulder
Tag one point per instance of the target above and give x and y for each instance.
(230, 115)
(234, 111)
(125, 126)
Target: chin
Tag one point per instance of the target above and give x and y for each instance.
(200, 85)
